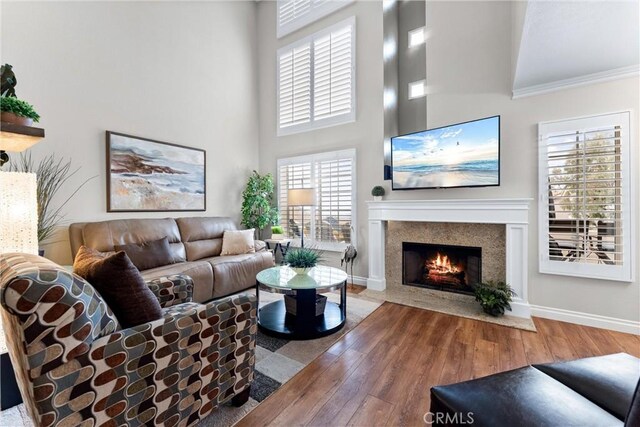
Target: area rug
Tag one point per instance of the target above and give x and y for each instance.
(444, 302)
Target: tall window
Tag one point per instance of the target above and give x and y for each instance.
(585, 197)
(330, 224)
(316, 80)
(295, 14)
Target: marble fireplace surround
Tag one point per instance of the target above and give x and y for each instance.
(512, 213)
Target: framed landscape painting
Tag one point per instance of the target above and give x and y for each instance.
(144, 175)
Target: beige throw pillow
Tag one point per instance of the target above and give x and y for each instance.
(238, 242)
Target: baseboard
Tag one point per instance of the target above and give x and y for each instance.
(586, 319)
(358, 280)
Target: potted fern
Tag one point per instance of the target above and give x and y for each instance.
(17, 111)
(494, 297)
(301, 260)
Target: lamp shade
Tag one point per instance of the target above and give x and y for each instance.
(18, 213)
(301, 197)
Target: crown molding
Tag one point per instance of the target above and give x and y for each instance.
(604, 76)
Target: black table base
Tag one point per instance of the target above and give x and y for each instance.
(274, 320)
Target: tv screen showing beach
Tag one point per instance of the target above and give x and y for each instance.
(463, 155)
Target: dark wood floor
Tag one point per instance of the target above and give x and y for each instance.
(380, 373)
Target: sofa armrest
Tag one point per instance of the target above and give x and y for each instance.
(260, 245)
(172, 290)
(202, 354)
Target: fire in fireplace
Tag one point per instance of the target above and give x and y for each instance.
(443, 267)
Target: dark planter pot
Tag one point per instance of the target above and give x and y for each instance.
(493, 311)
(8, 117)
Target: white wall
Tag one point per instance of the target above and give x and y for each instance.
(365, 135)
(469, 74)
(181, 72)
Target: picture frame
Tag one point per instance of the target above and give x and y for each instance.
(146, 175)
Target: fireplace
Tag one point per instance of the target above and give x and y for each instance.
(443, 267)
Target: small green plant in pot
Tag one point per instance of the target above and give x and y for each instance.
(17, 111)
(494, 297)
(277, 232)
(301, 260)
(377, 192)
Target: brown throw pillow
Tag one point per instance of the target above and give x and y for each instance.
(119, 282)
(148, 255)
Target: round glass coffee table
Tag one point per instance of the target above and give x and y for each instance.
(302, 291)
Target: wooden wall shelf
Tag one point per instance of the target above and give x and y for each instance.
(18, 138)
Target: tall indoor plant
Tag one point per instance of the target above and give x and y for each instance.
(257, 209)
(51, 176)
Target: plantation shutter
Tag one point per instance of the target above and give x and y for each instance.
(316, 80)
(333, 73)
(295, 14)
(330, 222)
(295, 86)
(585, 197)
(294, 175)
(334, 191)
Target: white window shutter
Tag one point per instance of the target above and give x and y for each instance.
(316, 80)
(333, 73)
(585, 200)
(294, 86)
(328, 224)
(295, 14)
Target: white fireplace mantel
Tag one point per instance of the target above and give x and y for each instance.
(514, 213)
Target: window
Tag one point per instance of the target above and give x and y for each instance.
(330, 224)
(295, 14)
(584, 210)
(316, 80)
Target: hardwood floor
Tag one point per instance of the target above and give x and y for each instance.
(380, 373)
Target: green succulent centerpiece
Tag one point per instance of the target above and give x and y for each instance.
(19, 108)
(301, 260)
(494, 297)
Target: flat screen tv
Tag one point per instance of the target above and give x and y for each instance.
(461, 155)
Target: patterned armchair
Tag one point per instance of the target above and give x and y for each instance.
(75, 366)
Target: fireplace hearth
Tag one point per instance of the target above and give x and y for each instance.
(443, 267)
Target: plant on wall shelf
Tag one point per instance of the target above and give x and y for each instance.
(257, 210)
(51, 175)
(494, 297)
(12, 109)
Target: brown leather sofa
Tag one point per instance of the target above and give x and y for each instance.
(195, 243)
(594, 391)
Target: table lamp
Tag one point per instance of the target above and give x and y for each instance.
(301, 197)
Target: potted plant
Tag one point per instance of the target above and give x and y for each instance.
(301, 260)
(377, 192)
(494, 297)
(51, 175)
(257, 210)
(17, 111)
(277, 232)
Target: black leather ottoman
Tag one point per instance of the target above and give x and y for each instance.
(597, 391)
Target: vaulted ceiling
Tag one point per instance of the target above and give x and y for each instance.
(575, 42)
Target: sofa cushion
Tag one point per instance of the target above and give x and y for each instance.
(522, 397)
(120, 284)
(104, 235)
(608, 381)
(234, 273)
(148, 255)
(202, 236)
(238, 242)
(200, 272)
